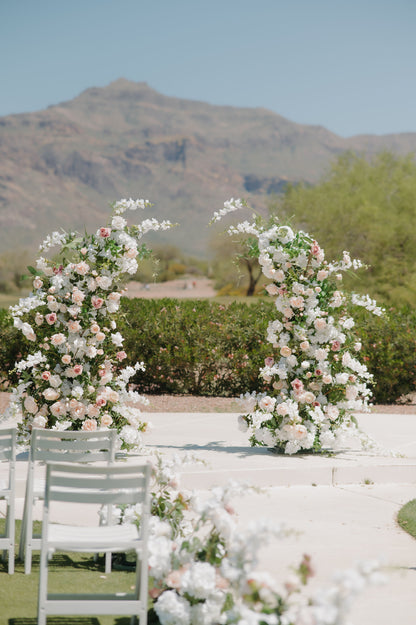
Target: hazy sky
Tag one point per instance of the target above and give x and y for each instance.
(348, 65)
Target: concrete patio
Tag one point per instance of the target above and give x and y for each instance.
(342, 506)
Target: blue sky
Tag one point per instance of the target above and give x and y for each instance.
(348, 65)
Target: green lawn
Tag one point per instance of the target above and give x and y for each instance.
(78, 572)
(407, 517)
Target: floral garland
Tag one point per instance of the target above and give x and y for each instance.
(71, 379)
(203, 566)
(316, 380)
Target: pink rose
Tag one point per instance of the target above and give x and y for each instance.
(58, 409)
(82, 268)
(96, 301)
(114, 296)
(269, 361)
(112, 396)
(51, 318)
(122, 355)
(89, 425)
(37, 283)
(93, 410)
(66, 359)
(104, 232)
(58, 339)
(77, 296)
(272, 289)
(297, 385)
(46, 375)
(106, 420)
(320, 324)
(74, 326)
(79, 410)
(77, 369)
(100, 336)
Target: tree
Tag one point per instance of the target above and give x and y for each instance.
(369, 208)
(232, 265)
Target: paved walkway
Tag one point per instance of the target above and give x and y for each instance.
(343, 506)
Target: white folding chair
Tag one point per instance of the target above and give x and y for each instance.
(7, 492)
(92, 484)
(58, 446)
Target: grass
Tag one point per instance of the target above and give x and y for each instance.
(75, 571)
(407, 517)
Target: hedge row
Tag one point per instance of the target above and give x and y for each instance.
(201, 347)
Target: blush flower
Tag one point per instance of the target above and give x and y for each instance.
(104, 233)
(51, 318)
(58, 339)
(82, 268)
(96, 301)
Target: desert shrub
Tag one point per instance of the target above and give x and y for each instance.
(389, 351)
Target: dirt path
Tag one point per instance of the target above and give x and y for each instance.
(190, 403)
(182, 288)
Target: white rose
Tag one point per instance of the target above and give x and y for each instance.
(30, 405)
(39, 422)
(117, 339)
(118, 222)
(50, 394)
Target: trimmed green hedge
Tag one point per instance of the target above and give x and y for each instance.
(196, 347)
(201, 347)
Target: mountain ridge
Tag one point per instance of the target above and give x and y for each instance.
(62, 166)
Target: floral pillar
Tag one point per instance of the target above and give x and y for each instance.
(72, 378)
(315, 378)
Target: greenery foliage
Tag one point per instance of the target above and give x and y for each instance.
(198, 347)
(202, 347)
(368, 208)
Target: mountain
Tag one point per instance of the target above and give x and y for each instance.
(62, 166)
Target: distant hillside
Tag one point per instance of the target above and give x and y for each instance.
(60, 167)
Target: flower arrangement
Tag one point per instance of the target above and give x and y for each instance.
(316, 380)
(72, 378)
(203, 564)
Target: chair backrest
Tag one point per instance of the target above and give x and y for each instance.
(8, 437)
(92, 484)
(73, 446)
(8, 444)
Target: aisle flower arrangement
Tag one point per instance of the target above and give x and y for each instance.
(72, 378)
(203, 565)
(314, 376)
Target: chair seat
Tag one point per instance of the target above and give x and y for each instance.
(89, 539)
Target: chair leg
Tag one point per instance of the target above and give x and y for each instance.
(43, 587)
(21, 554)
(141, 591)
(108, 562)
(10, 531)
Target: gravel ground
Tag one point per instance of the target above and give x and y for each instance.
(189, 403)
